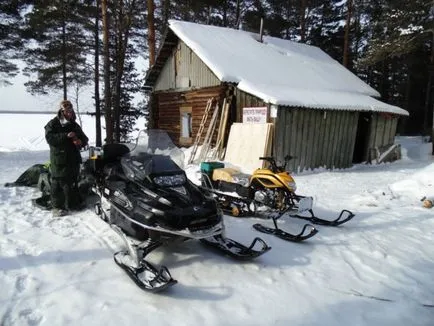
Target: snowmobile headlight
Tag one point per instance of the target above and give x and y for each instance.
(170, 180)
(292, 185)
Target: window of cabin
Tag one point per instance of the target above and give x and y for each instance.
(186, 126)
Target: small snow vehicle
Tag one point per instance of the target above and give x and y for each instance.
(148, 200)
(270, 190)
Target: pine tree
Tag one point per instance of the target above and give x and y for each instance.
(57, 45)
(10, 38)
(397, 57)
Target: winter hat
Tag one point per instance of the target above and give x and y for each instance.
(65, 104)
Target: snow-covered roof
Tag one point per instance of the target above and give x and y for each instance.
(279, 71)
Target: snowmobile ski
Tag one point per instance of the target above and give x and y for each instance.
(236, 249)
(133, 262)
(147, 277)
(343, 217)
(303, 235)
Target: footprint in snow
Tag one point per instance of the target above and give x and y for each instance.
(31, 316)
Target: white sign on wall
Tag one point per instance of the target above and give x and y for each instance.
(255, 114)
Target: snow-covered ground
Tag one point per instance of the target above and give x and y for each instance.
(375, 270)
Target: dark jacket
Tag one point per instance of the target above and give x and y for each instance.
(65, 157)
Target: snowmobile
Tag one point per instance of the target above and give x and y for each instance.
(146, 197)
(268, 190)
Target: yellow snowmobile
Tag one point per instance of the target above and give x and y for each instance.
(268, 191)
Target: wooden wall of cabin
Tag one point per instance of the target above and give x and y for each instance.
(244, 100)
(382, 131)
(167, 107)
(317, 138)
(185, 70)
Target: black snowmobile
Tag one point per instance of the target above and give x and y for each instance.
(148, 200)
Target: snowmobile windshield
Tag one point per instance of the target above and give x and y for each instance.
(153, 156)
(158, 142)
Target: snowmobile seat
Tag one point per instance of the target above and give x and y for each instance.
(230, 175)
(232, 180)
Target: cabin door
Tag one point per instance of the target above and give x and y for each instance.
(360, 153)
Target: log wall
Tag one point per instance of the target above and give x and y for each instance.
(168, 104)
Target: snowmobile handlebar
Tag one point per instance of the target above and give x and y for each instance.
(274, 167)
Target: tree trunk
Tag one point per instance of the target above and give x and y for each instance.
(65, 92)
(431, 74)
(123, 33)
(98, 139)
(346, 54)
(166, 14)
(225, 13)
(107, 91)
(238, 15)
(151, 32)
(303, 21)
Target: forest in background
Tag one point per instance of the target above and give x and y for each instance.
(70, 44)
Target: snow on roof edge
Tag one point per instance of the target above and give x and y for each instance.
(331, 100)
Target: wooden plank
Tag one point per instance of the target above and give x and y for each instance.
(379, 140)
(320, 137)
(316, 131)
(220, 128)
(305, 135)
(348, 126)
(268, 142)
(354, 135)
(314, 140)
(280, 141)
(394, 125)
(209, 134)
(331, 127)
(288, 147)
(298, 127)
(345, 139)
(335, 138)
(328, 139)
(294, 133)
(372, 132)
(247, 142)
(340, 146)
(340, 137)
(332, 143)
(310, 138)
(371, 137)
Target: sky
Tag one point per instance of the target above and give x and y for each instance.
(16, 98)
(374, 270)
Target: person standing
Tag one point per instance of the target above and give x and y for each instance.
(65, 138)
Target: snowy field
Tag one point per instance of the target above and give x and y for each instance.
(375, 270)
